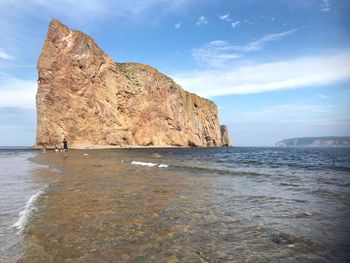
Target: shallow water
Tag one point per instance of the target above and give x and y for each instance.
(17, 186)
(193, 205)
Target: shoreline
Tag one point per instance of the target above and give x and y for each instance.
(107, 146)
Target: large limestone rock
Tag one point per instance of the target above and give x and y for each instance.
(85, 96)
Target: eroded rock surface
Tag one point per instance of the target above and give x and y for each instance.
(225, 136)
(85, 96)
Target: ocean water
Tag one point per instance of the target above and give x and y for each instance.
(177, 205)
(18, 193)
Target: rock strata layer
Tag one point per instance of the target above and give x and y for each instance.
(84, 96)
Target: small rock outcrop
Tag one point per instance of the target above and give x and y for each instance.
(86, 97)
(225, 137)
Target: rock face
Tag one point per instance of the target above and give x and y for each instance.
(225, 137)
(330, 141)
(85, 96)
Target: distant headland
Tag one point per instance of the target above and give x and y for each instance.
(329, 141)
(86, 97)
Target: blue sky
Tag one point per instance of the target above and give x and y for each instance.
(276, 69)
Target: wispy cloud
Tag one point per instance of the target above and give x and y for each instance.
(294, 115)
(324, 96)
(224, 17)
(218, 52)
(93, 9)
(235, 24)
(248, 22)
(325, 7)
(231, 22)
(4, 54)
(260, 43)
(291, 110)
(257, 78)
(24, 21)
(275, 121)
(215, 53)
(202, 21)
(177, 25)
(18, 93)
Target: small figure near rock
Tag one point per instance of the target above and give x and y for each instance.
(43, 148)
(65, 145)
(56, 149)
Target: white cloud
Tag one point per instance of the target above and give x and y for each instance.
(325, 7)
(202, 21)
(177, 25)
(235, 24)
(257, 78)
(225, 17)
(218, 52)
(4, 54)
(17, 93)
(215, 53)
(260, 43)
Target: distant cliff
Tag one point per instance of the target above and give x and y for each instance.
(85, 96)
(330, 141)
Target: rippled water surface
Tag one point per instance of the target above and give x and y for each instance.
(192, 205)
(17, 185)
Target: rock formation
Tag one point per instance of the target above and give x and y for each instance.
(225, 137)
(85, 96)
(330, 141)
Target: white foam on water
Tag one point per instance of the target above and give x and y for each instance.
(149, 164)
(28, 211)
(143, 163)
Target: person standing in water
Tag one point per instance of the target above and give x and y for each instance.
(65, 145)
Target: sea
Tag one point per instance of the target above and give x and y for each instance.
(236, 204)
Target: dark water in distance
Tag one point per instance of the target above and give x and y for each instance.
(192, 205)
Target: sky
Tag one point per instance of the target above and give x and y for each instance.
(276, 69)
